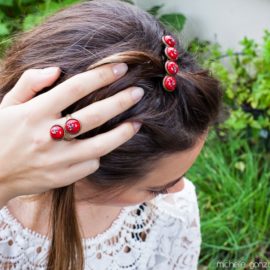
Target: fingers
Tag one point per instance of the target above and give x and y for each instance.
(78, 171)
(78, 86)
(101, 111)
(31, 81)
(100, 145)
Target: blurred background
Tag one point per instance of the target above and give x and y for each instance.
(232, 174)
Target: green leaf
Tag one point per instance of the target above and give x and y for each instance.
(4, 29)
(31, 21)
(2, 15)
(26, 2)
(8, 3)
(155, 10)
(173, 20)
(230, 93)
(128, 1)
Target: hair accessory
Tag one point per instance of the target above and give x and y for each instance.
(171, 67)
(169, 40)
(72, 126)
(171, 53)
(169, 83)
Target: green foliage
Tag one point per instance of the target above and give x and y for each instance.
(46, 9)
(245, 77)
(8, 3)
(232, 177)
(22, 15)
(174, 21)
(232, 172)
(232, 183)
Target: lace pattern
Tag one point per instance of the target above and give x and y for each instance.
(163, 233)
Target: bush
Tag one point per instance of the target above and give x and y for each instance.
(21, 15)
(245, 76)
(232, 177)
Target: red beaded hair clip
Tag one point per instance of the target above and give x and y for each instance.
(171, 67)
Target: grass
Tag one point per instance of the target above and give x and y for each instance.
(232, 181)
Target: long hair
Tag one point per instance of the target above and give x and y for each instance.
(90, 34)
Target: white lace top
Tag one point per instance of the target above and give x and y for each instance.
(160, 234)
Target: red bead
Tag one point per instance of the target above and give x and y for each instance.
(169, 41)
(171, 67)
(72, 126)
(169, 83)
(57, 132)
(171, 53)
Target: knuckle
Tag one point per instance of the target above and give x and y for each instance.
(40, 143)
(53, 180)
(98, 149)
(95, 164)
(28, 74)
(94, 118)
(123, 102)
(105, 75)
(127, 131)
(77, 90)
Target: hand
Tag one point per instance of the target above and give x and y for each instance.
(32, 162)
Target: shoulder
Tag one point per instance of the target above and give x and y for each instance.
(180, 205)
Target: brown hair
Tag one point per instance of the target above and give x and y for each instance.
(87, 35)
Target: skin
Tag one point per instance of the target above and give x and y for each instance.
(40, 163)
(96, 218)
(53, 164)
(167, 170)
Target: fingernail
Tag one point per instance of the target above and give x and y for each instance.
(120, 69)
(137, 93)
(49, 70)
(137, 125)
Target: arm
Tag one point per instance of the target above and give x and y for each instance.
(30, 160)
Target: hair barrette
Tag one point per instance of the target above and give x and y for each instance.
(171, 67)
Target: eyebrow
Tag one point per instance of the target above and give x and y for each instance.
(172, 183)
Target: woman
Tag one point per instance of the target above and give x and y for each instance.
(132, 207)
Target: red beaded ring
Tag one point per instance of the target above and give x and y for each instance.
(171, 67)
(57, 132)
(72, 126)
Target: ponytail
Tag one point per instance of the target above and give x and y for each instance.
(66, 251)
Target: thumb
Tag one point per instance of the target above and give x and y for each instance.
(31, 81)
